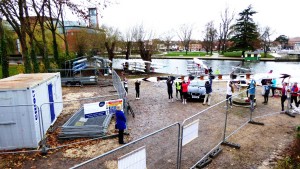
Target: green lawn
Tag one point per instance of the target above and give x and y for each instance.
(239, 54)
(184, 54)
(13, 70)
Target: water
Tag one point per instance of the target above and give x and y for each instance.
(179, 66)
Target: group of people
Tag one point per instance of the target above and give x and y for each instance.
(294, 91)
(181, 89)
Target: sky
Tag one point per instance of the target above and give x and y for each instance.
(161, 16)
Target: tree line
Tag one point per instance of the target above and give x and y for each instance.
(41, 35)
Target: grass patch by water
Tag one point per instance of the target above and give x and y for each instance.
(239, 54)
(180, 54)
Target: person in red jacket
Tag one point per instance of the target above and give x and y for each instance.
(184, 87)
(294, 92)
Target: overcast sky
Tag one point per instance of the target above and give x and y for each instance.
(164, 15)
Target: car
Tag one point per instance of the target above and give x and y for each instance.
(196, 89)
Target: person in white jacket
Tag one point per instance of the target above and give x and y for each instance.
(229, 92)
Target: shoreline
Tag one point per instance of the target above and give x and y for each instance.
(277, 59)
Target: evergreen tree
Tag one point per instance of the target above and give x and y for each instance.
(245, 32)
(3, 52)
(283, 40)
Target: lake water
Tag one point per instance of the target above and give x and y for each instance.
(179, 66)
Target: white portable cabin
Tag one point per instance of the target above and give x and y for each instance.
(26, 108)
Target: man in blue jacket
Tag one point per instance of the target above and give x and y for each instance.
(120, 123)
(208, 88)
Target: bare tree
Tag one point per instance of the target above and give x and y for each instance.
(210, 34)
(185, 33)
(54, 8)
(30, 30)
(224, 28)
(167, 38)
(128, 41)
(113, 36)
(220, 39)
(39, 9)
(265, 39)
(144, 42)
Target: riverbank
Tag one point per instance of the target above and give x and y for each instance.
(217, 57)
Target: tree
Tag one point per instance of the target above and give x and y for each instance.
(3, 51)
(128, 41)
(39, 9)
(265, 40)
(144, 42)
(7, 46)
(167, 37)
(113, 36)
(54, 8)
(245, 32)
(224, 29)
(210, 34)
(185, 33)
(13, 10)
(283, 40)
(30, 28)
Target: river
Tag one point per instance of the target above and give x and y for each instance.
(179, 66)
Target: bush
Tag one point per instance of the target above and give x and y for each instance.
(233, 54)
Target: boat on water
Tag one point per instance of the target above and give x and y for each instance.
(197, 67)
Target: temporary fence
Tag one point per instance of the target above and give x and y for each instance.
(201, 133)
(118, 84)
(150, 151)
(78, 125)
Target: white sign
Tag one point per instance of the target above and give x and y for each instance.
(101, 108)
(190, 132)
(94, 109)
(133, 160)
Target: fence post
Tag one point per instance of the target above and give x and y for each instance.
(44, 149)
(224, 142)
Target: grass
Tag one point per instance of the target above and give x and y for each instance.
(184, 54)
(292, 154)
(233, 54)
(13, 70)
(239, 54)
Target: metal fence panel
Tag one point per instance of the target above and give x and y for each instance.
(210, 133)
(77, 125)
(161, 153)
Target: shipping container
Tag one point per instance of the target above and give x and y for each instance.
(28, 108)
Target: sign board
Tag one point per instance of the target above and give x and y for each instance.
(190, 132)
(112, 105)
(101, 108)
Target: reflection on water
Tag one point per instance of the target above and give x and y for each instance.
(179, 66)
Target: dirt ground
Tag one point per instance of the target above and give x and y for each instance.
(260, 145)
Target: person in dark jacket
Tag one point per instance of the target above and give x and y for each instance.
(267, 88)
(120, 123)
(137, 89)
(170, 88)
(208, 93)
